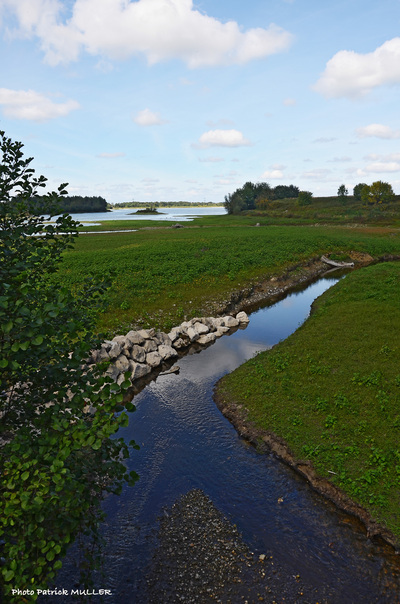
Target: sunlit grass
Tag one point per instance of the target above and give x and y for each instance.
(162, 275)
(332, 390)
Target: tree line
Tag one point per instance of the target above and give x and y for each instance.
(258, 196)
(166, 204)
(378, 192)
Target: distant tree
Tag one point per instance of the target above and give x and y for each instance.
(286, 192)
(304, 198)
(357, 190)
(342, 192)
(378, 193)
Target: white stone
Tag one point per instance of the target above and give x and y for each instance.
(134, 337)
(122, 363)
(221, 331)
(115, 350)
(193, 334)
(242, 317)
(139, 370)
(230, 321)
(167, 352)
(200, 328)
(207, 338)
(138, 353)
(150, 346)
(154, 359)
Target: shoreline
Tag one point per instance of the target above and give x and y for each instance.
(267, 442)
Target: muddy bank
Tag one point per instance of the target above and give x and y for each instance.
(268, 442)
(276, 287)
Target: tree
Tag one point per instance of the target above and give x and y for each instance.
(342, 192)
(378, 193)
(57, 413)
(304, 198)
(358, 189)
(286, 192)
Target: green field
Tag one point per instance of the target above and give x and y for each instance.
(332, 389)
(162, 275)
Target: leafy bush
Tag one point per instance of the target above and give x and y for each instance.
(57, 415)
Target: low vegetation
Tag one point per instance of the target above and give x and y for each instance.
(162, 275)
(332, 389)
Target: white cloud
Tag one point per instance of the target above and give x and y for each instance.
(386, 157)
(110, 155)
(211, 159)
(273, 174)
(350, 74)
(378, 131)
(319, 174)
(289, 102)
(383, 166)
(159, 29)
(220, 123)
(148, 118)
(343, 158)
(31, 105)
(222, 138)
(324, 139)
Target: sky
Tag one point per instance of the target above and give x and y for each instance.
(152, 100)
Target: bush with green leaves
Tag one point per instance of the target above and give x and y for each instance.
(57, 413)
(304, 198)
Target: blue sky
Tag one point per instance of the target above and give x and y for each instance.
(180, 100)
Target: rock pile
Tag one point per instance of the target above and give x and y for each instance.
(140, 352)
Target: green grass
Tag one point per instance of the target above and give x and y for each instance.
(332, 389)
(163, 275)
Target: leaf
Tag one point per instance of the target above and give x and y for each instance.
(7, 327)
(8, 575)
(38, 340)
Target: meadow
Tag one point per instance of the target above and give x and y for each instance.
(332, 389)
(160, 276)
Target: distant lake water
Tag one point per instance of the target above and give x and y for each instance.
(176, 214)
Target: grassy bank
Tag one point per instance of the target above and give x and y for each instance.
(332, 389)
(163, 275)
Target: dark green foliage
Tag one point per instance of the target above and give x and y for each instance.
(72, 204)
(342, 193)
(357, 190)
(57, 416)
(378, 193)
(251, 196)
(304, 198)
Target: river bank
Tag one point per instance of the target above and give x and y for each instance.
(252, 425)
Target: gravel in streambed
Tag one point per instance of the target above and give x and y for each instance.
(201, 557)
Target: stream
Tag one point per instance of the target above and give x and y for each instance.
(186, 443)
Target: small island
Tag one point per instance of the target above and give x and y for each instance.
(147, 210)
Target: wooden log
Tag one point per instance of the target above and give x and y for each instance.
(337, 264)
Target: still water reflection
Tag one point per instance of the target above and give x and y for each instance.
(186, 443)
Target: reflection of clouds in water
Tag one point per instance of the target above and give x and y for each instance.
(288, 302)
(220, 358)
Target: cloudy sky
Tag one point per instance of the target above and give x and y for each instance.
(183, 100)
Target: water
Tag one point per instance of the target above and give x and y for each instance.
(175, 214)
(186, 443)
